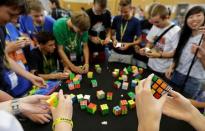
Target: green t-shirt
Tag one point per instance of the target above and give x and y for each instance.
(71, 41)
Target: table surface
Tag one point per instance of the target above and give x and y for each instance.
(85, 121)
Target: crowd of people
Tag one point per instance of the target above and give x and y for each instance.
(35, 47)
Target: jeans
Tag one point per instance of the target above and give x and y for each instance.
(191, 88)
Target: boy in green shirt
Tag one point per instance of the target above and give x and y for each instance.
(72, 36)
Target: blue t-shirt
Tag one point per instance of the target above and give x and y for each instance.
(132, 31)
(16, 84)
(28, 27)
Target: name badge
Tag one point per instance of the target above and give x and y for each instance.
(14, 79)
(73, 56)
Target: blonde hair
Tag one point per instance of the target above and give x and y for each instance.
(35, 5)
(161, 10)
(81, 20)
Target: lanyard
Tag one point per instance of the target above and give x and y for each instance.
(122, 30)
(36, 30)
(73, 43)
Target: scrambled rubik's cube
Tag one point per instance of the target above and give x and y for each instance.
(124, 110)
(125, 85)
(109, 96)
(83, 104)
(115, 73)
(131, 104)
(94, 83)
(117, 84)
(116, 110)
(134, 83)
(71, 76)
(90, 75)
(53, 100)
(80, 97)
(79, 77)
(100, 94)
(71, 86)
(124, 77)
(131, 95)
(104, 109)
(159, 87)
(123, 103)
(87, 97)
(77, 84)
(125, 71)
(98, 68)
(92, 108)
(141, 70)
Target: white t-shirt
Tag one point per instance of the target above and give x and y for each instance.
(8, 122)
(186, 57)
(165, 44)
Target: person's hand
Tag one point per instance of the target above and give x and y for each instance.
(38, 81)
(60, 75)
(28, 41)
(14, 46)
(202, 30)
(64, 108)
(38, 118)
(106, 41)
(85, 68)
(142, 51)
(153, 54)
(66, 69)
(178, 107)
(201, 51)
(95, 39)
(149, 109)
(169, 73)
(114, 43)
(76, 69)
(35, 104)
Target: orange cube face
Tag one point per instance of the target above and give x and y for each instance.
(159, 90)
(155, 86)
(159, 81)
(164, 85)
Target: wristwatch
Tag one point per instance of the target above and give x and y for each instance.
(15, 107)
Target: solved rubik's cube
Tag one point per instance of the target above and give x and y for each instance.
(94, 83)
(131, 95)
(87, 97)
(116, 110)
(104, 109)
(80, 97)
(100, 94)
(159, 87)
(131, 104)
(83, 104)
(125, 85)
(109, 96)
(98, 68)
(53, 100)
(124, 110)
(92, 108)
(123, 103)
(117, 84)
(90, 75)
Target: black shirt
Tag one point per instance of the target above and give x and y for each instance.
(99, 24)
(44, 64)
(59, 13)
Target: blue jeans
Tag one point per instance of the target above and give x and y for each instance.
(192, 87)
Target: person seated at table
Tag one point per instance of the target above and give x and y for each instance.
(36, 21)
(175, 106)
(45, 61)
(71, 35)
(160, 46)
(126, 34)
(99, 32)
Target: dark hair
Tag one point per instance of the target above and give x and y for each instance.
(43, 37)
(102, 3)
(56, 2)
(22, 5)
(186, 32)
(125, 2)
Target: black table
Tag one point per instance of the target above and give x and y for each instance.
(87, 122)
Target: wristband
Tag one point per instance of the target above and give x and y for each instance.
(62, 119)
(15, 107)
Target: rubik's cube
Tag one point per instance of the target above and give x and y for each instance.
(92, 108)
(94, 83)
(131, 95)
(90, 75)
(68, 81)
(141, 70)
(134, 68)
(79, 77)
(129, 69)
(123, 103)
(53, 100)
(131, 104)
(115, 73)
(109, 96)
(134, 83)
(87, 97)
(71, 86)
(104, 109)
(125, 85)
(80, 97)
(100, 94)
(120, 78)
(73, 98)
(138, 76)
(159, 87)
(124, 77)
(98, 68)
(71, 76)
(77, 84)
(116, 110)
(124, 110)
(125, 71)
(117, 84)
(83, 104)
